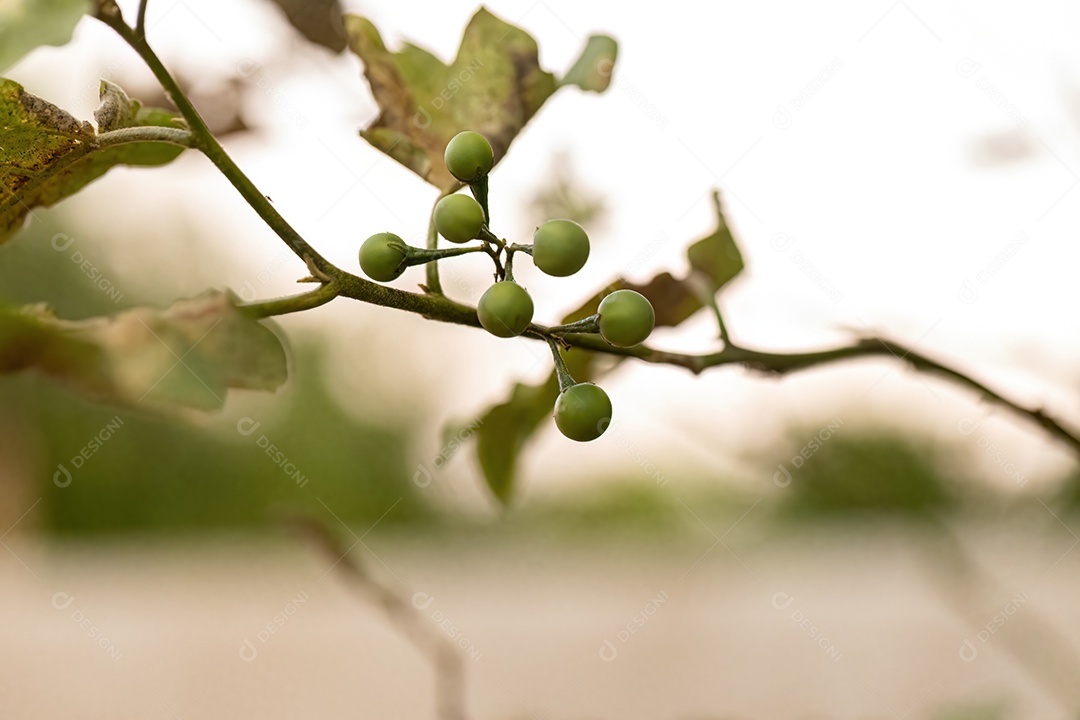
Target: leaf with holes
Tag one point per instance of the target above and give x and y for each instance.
(493, 86)
(188, 355)
(47, 155)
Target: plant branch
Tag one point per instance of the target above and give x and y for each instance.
(772, 363)
(438, 307)
(204, 140)
(145, 133)
(714, 305)
(783, 363)
(292, 303)
(404, 616)
(140, 19)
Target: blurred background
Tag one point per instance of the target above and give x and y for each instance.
(851, 542)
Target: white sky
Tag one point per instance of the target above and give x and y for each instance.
(871, 179)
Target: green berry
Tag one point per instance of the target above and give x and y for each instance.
(560, 247)
(583, 412)
(458, 218)
(469, 156)
(626, 318)
(382, 257)
(505, 309)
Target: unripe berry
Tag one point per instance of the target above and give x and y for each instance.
(626, 318)
(505, 309)
(469, 156)
(382, 257)
(583, 412)
(458, 218)
(560, 247)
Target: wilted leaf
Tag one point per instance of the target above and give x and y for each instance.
(717, 256)
(26, 24)
(116, 109)
(47, 155)
(593, 69)
(188, 355)
(493, 86)
(317, 20)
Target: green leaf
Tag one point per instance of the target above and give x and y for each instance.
(717, 256)
(188, 355)
(594, 67)
(47, 155)
(506, 428)
(26, 24)
(493, 86)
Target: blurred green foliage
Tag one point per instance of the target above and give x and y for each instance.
(564, 195)
(143, 471)
(867, 473)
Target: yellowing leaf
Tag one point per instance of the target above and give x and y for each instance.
(47, 155)
(493, 86)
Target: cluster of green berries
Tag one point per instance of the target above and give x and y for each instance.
(559, 248)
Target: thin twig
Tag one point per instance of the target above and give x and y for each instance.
(403, 615)
(433, 283)
(140, 19)
(144, 133)
(1034, 643)
(292, 303)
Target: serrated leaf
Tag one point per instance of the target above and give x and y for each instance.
(47, 155)
(717, 256)
(317, 20)
(493, 86)
(188, 355)
(27, 24)
(593, 69)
